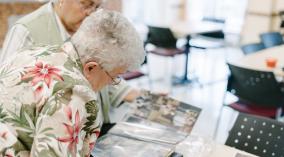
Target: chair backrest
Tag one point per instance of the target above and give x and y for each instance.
(214, 19)
(215, 34)
(161, 37)
(257, 135)
(257, 87)
(281, 14)
(251, 48)
(271, 39)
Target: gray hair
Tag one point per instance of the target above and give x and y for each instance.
(54, 1)
(108, 38)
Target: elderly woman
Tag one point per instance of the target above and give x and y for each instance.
(54, 23)
(48, 94)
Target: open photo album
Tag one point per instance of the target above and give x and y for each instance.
(165, 111)
(153, 127)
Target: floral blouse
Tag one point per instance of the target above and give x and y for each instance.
(47, 107)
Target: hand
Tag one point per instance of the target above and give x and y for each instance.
(132, 95)
(162, 93)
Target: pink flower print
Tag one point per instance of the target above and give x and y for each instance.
(9, 153)
(42, 73)
(91, 147)
(92, 144)
(3, 135)
(97, 133)
(72, 132)
(68, 111)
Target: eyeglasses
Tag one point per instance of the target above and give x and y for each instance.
(88, 5)
(115, 80)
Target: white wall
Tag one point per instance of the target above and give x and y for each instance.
(163, 12)
(195, 9)
(152, 12)
(133, 9)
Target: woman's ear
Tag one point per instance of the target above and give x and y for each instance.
(88, 69)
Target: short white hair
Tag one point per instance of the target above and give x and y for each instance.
(54, 1)
(108, 38)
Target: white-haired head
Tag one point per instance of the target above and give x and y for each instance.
(54, 1)
(108, 38)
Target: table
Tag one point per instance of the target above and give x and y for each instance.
(187, 29)
(256, 60)
(196, 146)
(193, 145)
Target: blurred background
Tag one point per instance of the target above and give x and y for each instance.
(214, 31)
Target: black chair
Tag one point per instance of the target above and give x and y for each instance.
(257, 87)
(259, 93)
(271, 39)
(252, 48)
(216, 34)
(257, 135)
(132, 75)
(164, 42)
(209, 40)
(281, 14)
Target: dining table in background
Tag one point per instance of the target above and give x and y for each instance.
(257, 61)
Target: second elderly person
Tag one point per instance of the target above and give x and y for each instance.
(54, 23)
(48, 95)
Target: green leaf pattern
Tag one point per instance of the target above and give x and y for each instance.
(39, 121)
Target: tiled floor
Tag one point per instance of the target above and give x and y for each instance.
(207, 93)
